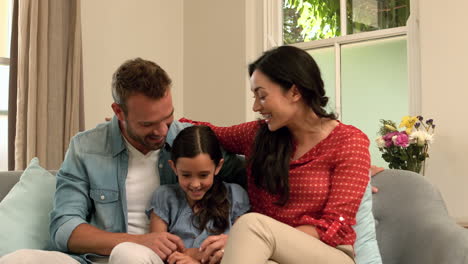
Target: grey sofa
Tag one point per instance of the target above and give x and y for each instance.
(412, 222)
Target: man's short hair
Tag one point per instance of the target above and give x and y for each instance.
(139, 76)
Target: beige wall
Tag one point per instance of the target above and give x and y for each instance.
(205, 59)
(204, 51)
(214, 61)
(117, 30)
(444, 70)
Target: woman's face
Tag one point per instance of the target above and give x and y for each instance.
(275, 105)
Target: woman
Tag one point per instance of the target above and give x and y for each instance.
(307, 172)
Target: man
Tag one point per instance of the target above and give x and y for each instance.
(109, 174)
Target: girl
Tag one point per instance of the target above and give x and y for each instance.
(307, 172)
(201, 204)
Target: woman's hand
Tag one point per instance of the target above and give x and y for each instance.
(375, 170)
(309, 229)
(212, 249)
(181, 258)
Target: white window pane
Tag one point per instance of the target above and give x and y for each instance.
(5, 27)
(308, 20)
(325, 58)
(369, 15)
(374, 86)
(4, 80)
(3, 142)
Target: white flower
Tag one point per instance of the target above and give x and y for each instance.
(420, 137)
(380, 142)
(430, 138)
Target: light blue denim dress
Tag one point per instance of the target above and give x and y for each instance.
(170, 204)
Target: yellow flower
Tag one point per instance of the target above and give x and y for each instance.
(408, 122)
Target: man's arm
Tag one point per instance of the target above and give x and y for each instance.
(87, 238)
(69, 227)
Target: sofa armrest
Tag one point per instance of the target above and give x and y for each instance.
(7, 180)
(412, 222)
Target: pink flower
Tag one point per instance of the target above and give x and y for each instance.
(389, 138)
(401, 140)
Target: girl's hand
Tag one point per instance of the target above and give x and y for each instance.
(163, 244)
(181, 258)
(212, 248)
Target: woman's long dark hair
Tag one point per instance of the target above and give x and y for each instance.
(272, 150)
(214, 205)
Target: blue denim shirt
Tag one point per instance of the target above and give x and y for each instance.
(91, 182)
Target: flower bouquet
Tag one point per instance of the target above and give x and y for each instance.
(407, 149)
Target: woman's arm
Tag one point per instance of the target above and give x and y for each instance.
(234, 139)
(350, 163)
(349, 180)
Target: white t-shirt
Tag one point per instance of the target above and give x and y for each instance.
(142, 180)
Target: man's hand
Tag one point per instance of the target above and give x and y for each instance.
(163, 244)
(212, 248)
(375, 170)
(181, 258)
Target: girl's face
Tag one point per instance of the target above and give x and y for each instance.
(275, 105)
(195, 175)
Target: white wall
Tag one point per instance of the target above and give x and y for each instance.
(444, 59)
(202, 45)
(215, 67)
(118, 30)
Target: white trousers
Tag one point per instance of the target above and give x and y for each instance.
(257, 239)
(123, 253)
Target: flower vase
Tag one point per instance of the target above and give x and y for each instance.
(416, 166)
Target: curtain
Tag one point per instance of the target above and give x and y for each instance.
(12, 87)
(49, 82)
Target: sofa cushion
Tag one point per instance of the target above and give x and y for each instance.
(366, 247)
(24, 212)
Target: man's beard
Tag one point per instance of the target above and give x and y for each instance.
(142, 140)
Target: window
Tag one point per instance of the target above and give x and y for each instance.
(5, 33)
(308, 20)
(363, 58)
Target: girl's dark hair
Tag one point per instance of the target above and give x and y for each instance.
(272, 150)
(214, 205)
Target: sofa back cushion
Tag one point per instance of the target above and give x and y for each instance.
(24, 211)
(366, 247)
(7, 180)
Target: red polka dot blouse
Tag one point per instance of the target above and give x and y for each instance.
(326, 184)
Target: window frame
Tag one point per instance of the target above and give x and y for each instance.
(273, 23)
(338, 42)
(5, 61)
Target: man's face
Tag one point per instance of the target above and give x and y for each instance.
(147, 121)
